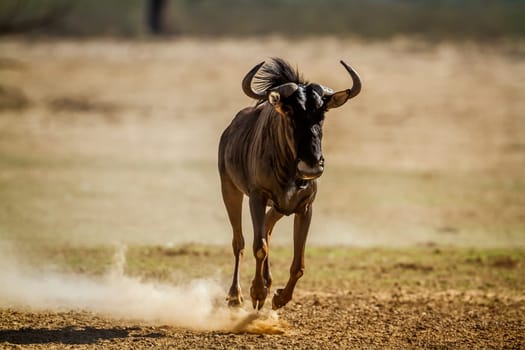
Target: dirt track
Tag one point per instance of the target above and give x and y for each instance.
(349, 298)
(393, 320)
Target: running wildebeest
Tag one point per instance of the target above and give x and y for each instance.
(272, 153)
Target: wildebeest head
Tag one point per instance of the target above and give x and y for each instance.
(303, 103)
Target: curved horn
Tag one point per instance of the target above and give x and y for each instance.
(356, 81)
(337, 99)
(247, 83)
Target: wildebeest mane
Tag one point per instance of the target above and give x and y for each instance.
(274, 73)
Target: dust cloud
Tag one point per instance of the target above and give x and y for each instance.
(197, 305)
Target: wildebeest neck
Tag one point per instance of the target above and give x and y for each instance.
(277, 143)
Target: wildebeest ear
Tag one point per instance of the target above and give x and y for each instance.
(284, 90)
(274, 97)
(281, 92)
(275, 100)
(337, 99)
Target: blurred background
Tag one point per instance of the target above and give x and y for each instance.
(370, 19)
(110, 115)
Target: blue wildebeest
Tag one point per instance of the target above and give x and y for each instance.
(272, 153)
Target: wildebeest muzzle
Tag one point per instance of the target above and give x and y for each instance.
(310, 172)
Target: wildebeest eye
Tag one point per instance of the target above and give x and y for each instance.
(318, 100)
(316, 96)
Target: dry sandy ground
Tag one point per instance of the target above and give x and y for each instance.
(394, 319)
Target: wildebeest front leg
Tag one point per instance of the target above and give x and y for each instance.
(258, 290)
(300, 232)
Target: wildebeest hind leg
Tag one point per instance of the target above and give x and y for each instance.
(233, 201)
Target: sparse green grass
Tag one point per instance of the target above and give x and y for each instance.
(486, 205)
(328, 269)
(430, 268)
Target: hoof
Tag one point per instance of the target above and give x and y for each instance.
(258, 297)
(235, 301)
(235, 298)
(277, 300)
